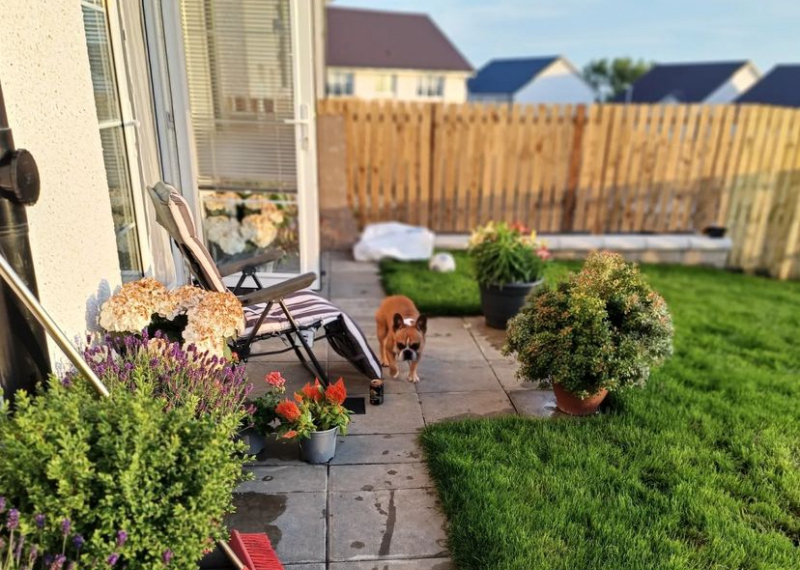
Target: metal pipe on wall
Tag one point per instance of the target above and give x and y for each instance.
(24, 360)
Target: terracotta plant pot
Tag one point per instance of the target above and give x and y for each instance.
(571, 404)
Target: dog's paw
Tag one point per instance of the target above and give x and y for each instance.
(413, 378)
(394, 372)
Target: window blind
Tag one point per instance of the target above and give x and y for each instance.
(240, 79)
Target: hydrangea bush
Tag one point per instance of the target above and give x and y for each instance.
(123, 481)
(602, 328)
(203, 318)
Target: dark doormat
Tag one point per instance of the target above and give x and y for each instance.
(356, 405)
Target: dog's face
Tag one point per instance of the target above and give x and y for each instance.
(409, 337)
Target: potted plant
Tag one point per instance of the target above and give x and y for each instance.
(509, 264)
(315, 417)
(264, 415)
(603, 329)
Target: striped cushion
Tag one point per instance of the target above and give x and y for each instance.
(312, 310)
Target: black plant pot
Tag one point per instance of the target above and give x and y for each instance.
(501, 303)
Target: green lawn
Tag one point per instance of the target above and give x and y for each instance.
(443, 294)
(701, 469)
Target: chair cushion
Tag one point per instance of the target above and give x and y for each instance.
(309, 310)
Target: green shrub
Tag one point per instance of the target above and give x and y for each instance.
(163, 477)
(602, 328)
(503, 254)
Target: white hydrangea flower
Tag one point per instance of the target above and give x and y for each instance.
(259, 229)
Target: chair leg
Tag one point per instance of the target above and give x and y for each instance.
(317, 367)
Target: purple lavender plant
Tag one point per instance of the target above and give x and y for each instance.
(179, 375)
(122, 537)
(166, 557)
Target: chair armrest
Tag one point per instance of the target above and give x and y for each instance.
(278, 291)
(240, 265)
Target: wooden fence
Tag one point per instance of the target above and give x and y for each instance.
(598, 169)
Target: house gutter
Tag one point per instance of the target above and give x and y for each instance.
(24, 360)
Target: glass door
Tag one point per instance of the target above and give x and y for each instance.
(246, 75)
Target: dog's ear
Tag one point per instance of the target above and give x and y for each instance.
(397, 321)
(422, 323)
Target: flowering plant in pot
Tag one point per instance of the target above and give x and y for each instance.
(315, 416)
(603, 329)
(509, 263)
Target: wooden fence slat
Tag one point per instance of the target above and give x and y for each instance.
(602, 168)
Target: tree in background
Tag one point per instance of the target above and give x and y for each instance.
(613, 77)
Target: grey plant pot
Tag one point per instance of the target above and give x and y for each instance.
(321, 447)
(499, 304)
(254, 440)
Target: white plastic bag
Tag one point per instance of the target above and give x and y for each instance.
(394, 240)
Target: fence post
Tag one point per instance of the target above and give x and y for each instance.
(573, 175)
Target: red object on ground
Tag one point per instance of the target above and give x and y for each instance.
(255, 551)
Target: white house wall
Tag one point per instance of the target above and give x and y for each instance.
(44, 70)
(365, 80)
(739, 82)
(559, 83)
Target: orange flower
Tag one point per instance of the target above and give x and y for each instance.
(288, 410)
(543, 253)
(298, 397)
(313, 392)
(275, 379)
(289, 434)
(336, 393)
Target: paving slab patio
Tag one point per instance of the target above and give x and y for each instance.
(374, 506)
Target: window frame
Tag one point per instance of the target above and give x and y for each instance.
(349, 81)
(128, 125)
(426, 82)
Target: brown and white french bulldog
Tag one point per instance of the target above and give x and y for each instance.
(401, 334)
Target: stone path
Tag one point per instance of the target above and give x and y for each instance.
(374, 506)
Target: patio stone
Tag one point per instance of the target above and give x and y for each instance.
(405, 523)
(439, 406)
(294, 522)
(358, 384)
(278, 452)
(538, 403)
(469, 375)
(364, 449)
(384, 564)
(507, 375)
(286, 479)
(399, 413)
(318, 566)
(489, 340)
(379, 477)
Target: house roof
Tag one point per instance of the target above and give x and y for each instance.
(684, 82)
(369, 38)
(781, 86)
(508, 75)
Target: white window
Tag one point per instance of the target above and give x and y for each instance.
(116, 134)
(385, 84)
(340, 84)
(430, 86)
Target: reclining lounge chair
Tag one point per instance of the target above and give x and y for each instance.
(287, 310)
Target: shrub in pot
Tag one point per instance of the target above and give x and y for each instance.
(603, 329)
(315, 416)
(509, 263)
(123, 481)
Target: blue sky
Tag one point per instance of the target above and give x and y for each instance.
(764, 31)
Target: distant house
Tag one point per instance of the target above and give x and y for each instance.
(781, 86)
(707, 82)
(392, 55)
(530, 80)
